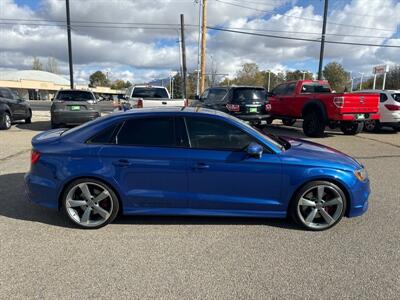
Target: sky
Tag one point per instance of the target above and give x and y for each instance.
(137, 40)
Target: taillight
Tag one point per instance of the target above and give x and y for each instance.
(338, 101)
(233, 107)
(35, 156)
(139, 103)
(268, 107)
(392, 107)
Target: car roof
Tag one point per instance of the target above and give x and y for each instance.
(174, 109)
(74, 90)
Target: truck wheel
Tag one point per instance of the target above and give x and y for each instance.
(5, 120)
(269, 121)
(288, 122)
(313, 125)
(371, 125)
(352, 128)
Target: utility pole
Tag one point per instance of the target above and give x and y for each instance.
(203, 46)
(183, 56)
(362, 77)
(321, 54)
(198, 52)
(71, 69)
(269, 80)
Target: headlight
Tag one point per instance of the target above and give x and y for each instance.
(361, 174)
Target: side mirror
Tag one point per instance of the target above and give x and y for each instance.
(197, 97)
(254, 150)
(52, 99)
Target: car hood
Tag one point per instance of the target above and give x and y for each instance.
(305, 152)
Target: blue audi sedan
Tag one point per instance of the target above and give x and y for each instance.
(191, 161)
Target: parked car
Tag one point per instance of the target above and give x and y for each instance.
(13, 108)
(191, 161)
(142, 96)
(73, 107)
(389, 110)
(315, 103)
(248, 103)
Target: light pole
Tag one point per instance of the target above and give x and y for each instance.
(269, 80)
(198, 51)
(362, 76)
(351, 81)
(304, 74)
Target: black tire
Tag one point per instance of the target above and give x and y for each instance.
(288, 122)
(269, 121)
(28, 120)
(297, 213)
(396, 128)
(371, 126)
(313, 124)
(5, 121)
(112, 199)
(352, 128)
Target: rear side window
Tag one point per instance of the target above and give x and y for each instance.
(5, 94)
(315, 88)
(74, 96)
(249, 95)
(216, 135)
(149, 92)
(106, 136)
(216, 94)
(396, 97)
(151, 132)
(279, 90)
(289, 90)
(383, 97)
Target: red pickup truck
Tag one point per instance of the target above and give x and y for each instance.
(315, 103)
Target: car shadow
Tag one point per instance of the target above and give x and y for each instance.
(15, 205)
(35, 126)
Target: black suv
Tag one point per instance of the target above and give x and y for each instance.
(13, 108)
(248, 103)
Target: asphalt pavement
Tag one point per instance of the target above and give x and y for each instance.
(43, 256)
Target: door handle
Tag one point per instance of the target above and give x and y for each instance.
(201, 166)
(122, 163)
(164, 102)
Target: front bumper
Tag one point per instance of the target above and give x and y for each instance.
(359, 199)
(73, 118)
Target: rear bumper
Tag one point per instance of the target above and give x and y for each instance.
(353, 117)
(73, 118)
(41, 191)
(252, 117)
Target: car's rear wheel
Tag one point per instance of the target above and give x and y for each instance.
(90, 203)
(5, 120)
(28, 120)
(313, 125)
(288, 122)
(371, 125)
(318, 205)
(351, 128)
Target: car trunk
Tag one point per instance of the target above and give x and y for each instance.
(359, 103)
(71, 105)
(248, 101)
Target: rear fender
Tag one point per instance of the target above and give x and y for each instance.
(315, 105)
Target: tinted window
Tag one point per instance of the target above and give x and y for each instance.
(289, 90)
(6, 94)
(279, 90)
(383, 97)
(74, 96)
(148, 132)
(149, 92)
(249, 95)
(396, 97)
(216, 94)
(106, 136)
(214, 134)
(315, 88)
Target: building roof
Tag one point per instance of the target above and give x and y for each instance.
(34, 75)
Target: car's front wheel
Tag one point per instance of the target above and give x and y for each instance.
(5, 121)
(371, 125)
(28, 119)
(318, 205)
(90, 203)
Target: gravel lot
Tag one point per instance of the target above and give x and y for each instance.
(42, 256)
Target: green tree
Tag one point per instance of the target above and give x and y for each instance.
(37, 64)
(98, 78)
(298, 75)
(337, 76)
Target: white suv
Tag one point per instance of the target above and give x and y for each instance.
(389, 110)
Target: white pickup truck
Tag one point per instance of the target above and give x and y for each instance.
(140, 96)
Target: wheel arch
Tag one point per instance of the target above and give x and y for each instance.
(335, 181)
(4, 108)
(314, 105)
(111, 186)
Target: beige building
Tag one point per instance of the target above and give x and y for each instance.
(41, 85)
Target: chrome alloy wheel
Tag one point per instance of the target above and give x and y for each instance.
(320, 207)
(89, 204)
(370, 125)
(7, 120)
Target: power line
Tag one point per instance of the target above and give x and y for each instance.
(301, 39)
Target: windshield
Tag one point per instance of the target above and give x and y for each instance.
(74, 96)
(149, 92)
(249, 95)
(396, 97)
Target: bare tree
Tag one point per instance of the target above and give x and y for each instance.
(52, 65)
(37, 64)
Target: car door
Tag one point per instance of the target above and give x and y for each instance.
(288, 99)
(222, 178)
(277, 107)
(149, 164)
(11, 102)
(21, 108)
